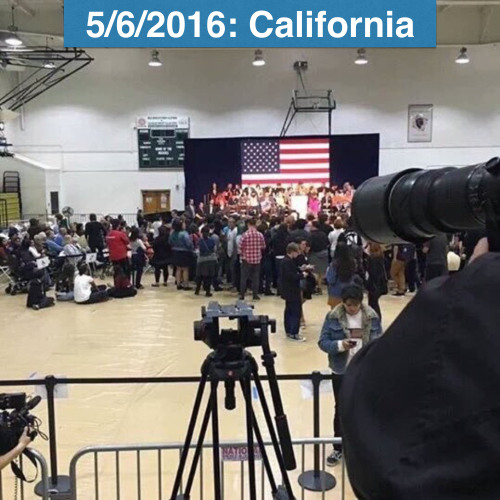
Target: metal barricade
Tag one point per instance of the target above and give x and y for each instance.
(22, 488)
(113, 485)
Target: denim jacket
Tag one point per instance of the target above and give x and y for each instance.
(335, 328)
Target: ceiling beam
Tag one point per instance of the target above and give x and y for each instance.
(486, 13)
(20, 5)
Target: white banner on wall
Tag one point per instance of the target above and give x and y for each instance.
(162, 122)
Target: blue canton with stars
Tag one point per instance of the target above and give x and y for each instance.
(260, 157)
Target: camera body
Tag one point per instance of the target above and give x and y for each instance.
(251, 329)
(13, 422)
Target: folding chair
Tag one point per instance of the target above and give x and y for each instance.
(5, 273)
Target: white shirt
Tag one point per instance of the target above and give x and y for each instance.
(354, 321)
(156, 226)
(333, 238)
(82, 288)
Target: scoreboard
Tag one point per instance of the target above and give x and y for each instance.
(161, 143)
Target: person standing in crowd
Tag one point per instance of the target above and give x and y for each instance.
(411, 272)
(138, 257)
(162, 256)
(141, 221)
(190, 211)
(376, 283)
(118, 246)
(157, 223)
(266, 268)
(182, 252)
(298, 233)
(333, 236)
(318, 255)
(341, 272)
(436, 257)
(290, 277)
(402, 254)
(346, 329)
(278, 245)
(232, 251)
(323, 226)
(252, 245)
(95, 234)
(207, 262)
(85, 290)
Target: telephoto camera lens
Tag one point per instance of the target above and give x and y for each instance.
(414, 205)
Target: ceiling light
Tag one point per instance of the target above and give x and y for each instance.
(258, 59)
(12, 39)
(463, 57)
(49, 65)
(361, 59)
(155, 60)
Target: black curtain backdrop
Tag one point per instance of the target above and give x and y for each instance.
(353, 158)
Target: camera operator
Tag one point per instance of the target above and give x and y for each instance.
(12, 454)
(419, 406)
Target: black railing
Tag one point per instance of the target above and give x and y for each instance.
(50, 382)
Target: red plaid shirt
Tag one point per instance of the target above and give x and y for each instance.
(252, 243)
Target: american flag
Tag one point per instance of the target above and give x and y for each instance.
(285, 161)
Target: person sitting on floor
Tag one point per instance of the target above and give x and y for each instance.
(85, 289)
(122, 287)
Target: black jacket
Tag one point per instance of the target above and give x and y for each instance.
(377, 278)
(279, 241)
(94, 232)
(319, 241)
(162, 251)
(290, 276)
(412, 400)
(298, 235)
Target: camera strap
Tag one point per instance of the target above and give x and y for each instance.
(17, 471)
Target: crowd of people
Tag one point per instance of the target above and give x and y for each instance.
(273, 199)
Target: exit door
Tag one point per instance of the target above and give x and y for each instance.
(154, 202)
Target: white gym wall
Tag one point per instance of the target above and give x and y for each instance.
(84, 126)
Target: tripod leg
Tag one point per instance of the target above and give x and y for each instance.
(215, 441)
(189, 434)
(272, 432)
(249, 417)
(263, 451)
(197, 453)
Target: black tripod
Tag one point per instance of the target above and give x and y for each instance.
(230, 363)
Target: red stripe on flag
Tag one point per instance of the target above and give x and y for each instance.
(306, 160)
(304, 141)
(305, 172)
(303, 151)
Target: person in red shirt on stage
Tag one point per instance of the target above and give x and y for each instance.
(118, 245)
(252, 245)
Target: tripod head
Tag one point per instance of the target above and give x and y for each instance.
(252, 330)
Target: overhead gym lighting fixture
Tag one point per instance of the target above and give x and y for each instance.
(12, 39)
(49, 65)
(463, 57)
(155, 59)
(258, 59)
(361, 59)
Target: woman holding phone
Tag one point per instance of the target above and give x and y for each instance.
(347, 328)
